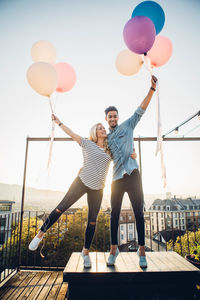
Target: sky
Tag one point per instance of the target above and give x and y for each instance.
(88, 35)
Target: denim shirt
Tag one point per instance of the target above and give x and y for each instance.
(120, 142)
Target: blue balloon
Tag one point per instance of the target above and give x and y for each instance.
(153, 11)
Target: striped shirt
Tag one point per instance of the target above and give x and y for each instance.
(95, 165)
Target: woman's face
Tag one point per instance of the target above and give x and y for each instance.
(101, 132)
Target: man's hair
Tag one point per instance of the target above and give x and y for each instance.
(110, 108)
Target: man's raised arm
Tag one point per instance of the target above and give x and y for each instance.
(147, 99)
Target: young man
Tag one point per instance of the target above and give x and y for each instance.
(126, 177)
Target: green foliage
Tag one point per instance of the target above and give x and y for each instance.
(64, 237)
(189, 243)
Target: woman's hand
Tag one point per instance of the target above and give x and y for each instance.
(55, 119)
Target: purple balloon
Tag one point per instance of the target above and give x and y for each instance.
(139, 34)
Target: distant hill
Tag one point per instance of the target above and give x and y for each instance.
(39, 199)
(35, 199)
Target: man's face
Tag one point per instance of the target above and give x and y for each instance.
(112, 118)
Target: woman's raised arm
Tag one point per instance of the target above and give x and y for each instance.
(67, 130)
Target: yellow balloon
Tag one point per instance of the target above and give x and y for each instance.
(43, 51)
(43, 78)
(128, 63)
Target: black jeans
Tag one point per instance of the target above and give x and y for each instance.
(76, 191)
(131, 184)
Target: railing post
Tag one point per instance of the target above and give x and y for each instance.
(140, 157)
(22, 204)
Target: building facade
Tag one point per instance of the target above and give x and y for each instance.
(175, 214)
(5, 220)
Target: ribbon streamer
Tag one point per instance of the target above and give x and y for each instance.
(159, 144)
(52, 135)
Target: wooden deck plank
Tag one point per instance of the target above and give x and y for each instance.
(188, 266)
(48, 285)
(22, 286)
(159, 263)
(131, 264)
(101, 263)
(73, 262)
(27, 291)
(63, 291)
(56, 287)
(36, 291)
(120, 265)
(12, 284)
(169, 262)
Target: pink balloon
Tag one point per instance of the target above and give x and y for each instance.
(139, 34)
(161, 51)
(66, 77)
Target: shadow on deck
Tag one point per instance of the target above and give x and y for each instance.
(168, 276)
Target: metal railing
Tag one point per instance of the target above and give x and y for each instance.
(9, 244)
(67, 236)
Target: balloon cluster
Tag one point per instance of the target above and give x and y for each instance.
(141, 37)
(44, 76)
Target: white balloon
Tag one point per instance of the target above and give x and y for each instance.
(43, 51)
(43, 78)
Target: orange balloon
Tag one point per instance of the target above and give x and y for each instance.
(128, 63)
(161, 51)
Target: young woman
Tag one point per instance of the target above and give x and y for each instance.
(90, 180)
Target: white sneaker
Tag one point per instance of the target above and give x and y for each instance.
(34, 243)
(142, 260)
(112, 258)
(86, 260)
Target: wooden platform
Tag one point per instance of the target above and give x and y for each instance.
(166, 272)
(35, 285)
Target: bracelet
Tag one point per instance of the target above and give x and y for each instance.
(152, 88)
(60, 124)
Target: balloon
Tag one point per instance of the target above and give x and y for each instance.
(66, 77)
(43, 78)
(43, 51)
(139, 34)
(128, 63)
(160, 52)
(153, 11)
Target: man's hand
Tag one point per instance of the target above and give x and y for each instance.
(153, 81)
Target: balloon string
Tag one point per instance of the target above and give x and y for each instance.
(52, 135)
(159, 144)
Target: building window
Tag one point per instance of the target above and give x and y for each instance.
(122, 237)
(162, 222)
(162, 215)
(168, 207)
(122, 227)
(5, 207)
(130, 236)
(130, 226)
(176, 222)
(183, 221)
(129, 217)
(121, 218)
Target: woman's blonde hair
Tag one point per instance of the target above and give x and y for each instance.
(93, 138)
